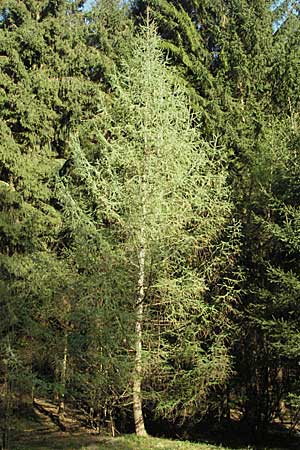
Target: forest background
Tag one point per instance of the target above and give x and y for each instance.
(149, 185)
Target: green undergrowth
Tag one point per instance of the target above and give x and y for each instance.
(132, 442)
(37, 432)
(128, 442)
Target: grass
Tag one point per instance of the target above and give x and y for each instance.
(37, 432)
(128, 442)
(132, 442)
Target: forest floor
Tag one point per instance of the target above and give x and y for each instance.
(39, 431)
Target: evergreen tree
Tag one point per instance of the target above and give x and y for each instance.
(268, 355)
(48, 88)
(261, 149)
(261, 166)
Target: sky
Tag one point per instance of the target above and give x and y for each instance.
(88, 4)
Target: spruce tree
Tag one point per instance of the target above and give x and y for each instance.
(48, 88)
(262, 138)
(259, 139)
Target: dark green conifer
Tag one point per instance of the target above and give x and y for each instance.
(50, 85)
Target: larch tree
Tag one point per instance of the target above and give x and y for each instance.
(155, 196)
(249, 90)
(191, 31)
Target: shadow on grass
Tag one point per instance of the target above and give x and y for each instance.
(229, 434)
(236, 435)
(233, 435)
(68, 442)
(52, 441)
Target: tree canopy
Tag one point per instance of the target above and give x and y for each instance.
(149, 214)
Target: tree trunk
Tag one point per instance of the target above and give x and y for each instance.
(7, 411)
(137, 375)
(61, 407)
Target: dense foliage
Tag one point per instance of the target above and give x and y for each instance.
(149, 213)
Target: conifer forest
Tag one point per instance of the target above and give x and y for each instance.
(150, 217)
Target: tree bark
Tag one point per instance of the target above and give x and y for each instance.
(61, 408)
(7, 412)
(137, 376)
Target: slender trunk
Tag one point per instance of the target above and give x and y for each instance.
(7, 411)
(61, 407)
(137, 376)
(227, 413)
(112, 424)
